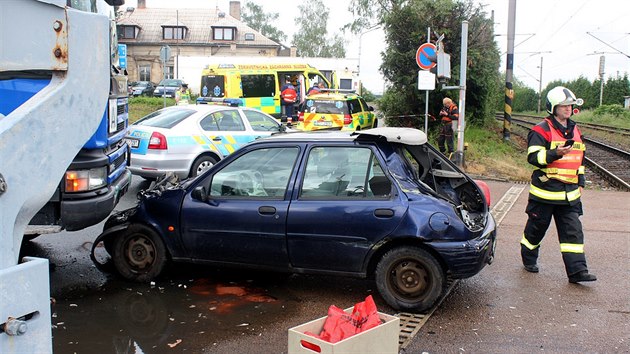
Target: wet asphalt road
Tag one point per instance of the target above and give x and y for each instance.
(194, 309)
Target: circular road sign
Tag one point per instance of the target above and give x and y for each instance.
(422, 56)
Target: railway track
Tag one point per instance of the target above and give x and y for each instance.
(593, 126)
(609, 162)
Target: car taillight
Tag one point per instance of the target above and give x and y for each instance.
(347, 119)
(301, 116)
(485, 189)
(157, 141)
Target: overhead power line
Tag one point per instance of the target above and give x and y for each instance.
(590, 34)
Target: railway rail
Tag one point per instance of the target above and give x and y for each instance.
(593, 126)
(609, 162)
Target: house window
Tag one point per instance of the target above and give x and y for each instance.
(249, 36)
(168, 72)
(223, 33)
(144, 72)
(127, 32)
(173, 32)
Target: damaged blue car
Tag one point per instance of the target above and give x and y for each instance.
(380, 203)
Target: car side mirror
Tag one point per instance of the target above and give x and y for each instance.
(370, 108)
(199, 193)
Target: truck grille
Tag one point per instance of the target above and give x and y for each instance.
(119, 161)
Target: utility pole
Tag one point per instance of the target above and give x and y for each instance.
(461, 122)
(509, 91)
(540, 85)
(602, 62)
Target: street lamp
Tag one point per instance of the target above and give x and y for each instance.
(369, 29)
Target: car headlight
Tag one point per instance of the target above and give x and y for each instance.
(86, 180)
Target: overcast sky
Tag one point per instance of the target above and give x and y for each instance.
(556, 30)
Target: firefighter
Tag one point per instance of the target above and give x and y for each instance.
(448, 115)
(555, 147)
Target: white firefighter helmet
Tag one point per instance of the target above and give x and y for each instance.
(561, 96)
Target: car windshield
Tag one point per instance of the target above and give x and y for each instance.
(325, 107)
(165, 118)
(141, 84)
(171, 82)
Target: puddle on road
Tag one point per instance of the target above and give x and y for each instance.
(168, 316)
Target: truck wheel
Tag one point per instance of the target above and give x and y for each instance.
(139, 254)
(201, 164)
(410, 279)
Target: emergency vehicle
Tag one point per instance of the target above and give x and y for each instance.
(258, 85)
(336, 109)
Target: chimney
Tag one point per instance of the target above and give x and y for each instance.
(142, 4)
(235, 9)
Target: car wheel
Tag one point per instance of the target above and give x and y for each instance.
(410, 279)
(201, 164)
(375, 124)
(139, 254)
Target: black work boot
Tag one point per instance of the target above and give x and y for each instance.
(581, 276)
(532, 268)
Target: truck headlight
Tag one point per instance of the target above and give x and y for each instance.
(86, 180)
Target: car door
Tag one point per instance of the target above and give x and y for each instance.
(244, 220)
(345, 204)
(227, 130)
(262, 124)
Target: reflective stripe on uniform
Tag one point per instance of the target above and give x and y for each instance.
(571, 248)
(548, 195)
(526, 243)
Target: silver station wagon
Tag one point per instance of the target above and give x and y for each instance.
(187, 140)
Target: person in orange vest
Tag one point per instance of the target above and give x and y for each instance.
(448, 114)
(317, 88)
(556, 148)
(288, 97)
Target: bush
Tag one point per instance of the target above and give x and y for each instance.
(611, 109)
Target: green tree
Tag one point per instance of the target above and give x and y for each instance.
(367, 95)
(615, 89)
(311, 39)
(254, 16)
(405, 23)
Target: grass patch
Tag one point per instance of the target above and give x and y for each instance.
(141, 106)
(490, 156)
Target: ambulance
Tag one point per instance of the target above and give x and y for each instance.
(258, 85)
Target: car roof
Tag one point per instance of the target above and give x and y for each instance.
(407, 136)
(332, 95)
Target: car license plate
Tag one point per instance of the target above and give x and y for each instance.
(322, 124)
(133, 143)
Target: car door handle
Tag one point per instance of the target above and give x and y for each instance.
(383, 213)
(267, 210)
(216, 139)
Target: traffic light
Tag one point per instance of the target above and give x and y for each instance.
(442, 69)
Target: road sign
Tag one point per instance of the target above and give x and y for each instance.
(122, 56)
(422, 56)
(426, 80)
(165, 53)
